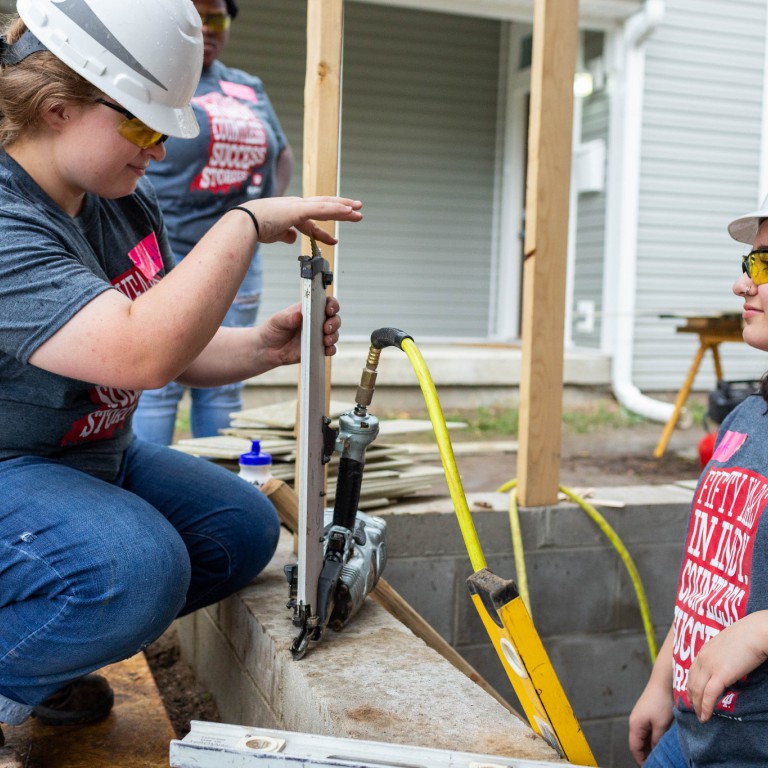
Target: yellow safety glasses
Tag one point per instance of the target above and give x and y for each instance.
(133, 129)
(216, 22)
(755, 264)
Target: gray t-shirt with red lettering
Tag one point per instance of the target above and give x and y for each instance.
(51, 266)
(724, 577)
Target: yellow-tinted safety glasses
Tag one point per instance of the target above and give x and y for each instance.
(216, 22)
(133, 129)
(755, 264)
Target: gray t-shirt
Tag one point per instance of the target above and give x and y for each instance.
(724, 578)
(51, 266)
(233, 159)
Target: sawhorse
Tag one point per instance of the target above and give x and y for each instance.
(708, 339)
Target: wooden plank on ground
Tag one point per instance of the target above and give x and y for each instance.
(137, 733)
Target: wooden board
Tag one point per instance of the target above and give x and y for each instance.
(136, 734)
(550, 136)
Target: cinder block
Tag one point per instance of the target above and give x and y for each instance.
(430, 583)
(424, 532)
(495, 532)
(602, 675)
(375, 678)
(218, 668)
(658, 567)
(645, 520)
(609, 740)
(571, 591)
(424, 528)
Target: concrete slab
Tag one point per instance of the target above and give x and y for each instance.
(137, 733)
(375, 680)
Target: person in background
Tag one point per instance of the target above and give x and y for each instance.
(706, 703)
(240, 154)
(104, 538)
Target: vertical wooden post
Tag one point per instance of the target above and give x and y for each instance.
(555, 39)
(322, 116)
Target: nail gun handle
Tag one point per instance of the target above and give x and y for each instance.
(348, 485)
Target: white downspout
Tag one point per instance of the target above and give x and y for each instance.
(619, 285)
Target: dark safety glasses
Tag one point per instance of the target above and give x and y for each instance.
(755, 264)
(216, 22)
(133, 129)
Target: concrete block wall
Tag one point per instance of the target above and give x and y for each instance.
(374, 681)
(582, 598)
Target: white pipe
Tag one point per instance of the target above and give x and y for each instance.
(622, 211)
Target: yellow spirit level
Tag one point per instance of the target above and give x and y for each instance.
(527, 665)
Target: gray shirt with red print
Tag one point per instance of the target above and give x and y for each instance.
(51, 266)
(724, 577)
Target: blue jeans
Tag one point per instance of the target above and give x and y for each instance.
(92, 572)
(155, 418)
(667, 753)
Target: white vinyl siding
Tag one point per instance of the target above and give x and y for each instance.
(418, 146)
(590, 229)
(700, 164)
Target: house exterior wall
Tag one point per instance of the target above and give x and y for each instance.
(418, 146)
(590, 233)
(700, 164)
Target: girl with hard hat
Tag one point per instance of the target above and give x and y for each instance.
(106, 539)
(240, 154)
(706, 702)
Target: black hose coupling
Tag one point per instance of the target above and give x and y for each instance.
(383, 337)
(389, 337)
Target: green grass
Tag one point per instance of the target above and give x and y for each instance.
(500, 423)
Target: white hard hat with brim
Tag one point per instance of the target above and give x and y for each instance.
(147, 55)
(744, 229)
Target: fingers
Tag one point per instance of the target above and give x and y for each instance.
(331, 326)
(639, 746)
(704, 700)
(332, 306)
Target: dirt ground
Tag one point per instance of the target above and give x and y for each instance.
(602, 457)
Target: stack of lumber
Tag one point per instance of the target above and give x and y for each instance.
(391, 470)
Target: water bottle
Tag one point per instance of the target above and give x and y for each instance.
(255, 466)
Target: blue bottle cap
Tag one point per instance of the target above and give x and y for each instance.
(255, 458)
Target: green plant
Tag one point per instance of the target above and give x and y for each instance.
(602, 414)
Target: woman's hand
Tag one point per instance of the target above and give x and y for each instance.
(280, 336)
(282, 218)
(726, 658)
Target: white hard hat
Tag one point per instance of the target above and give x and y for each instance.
(147, 55)
(744, 229)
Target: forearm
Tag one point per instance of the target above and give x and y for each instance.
(146, 343)
(652, 714)
(234, 354)
(283, 171)
(661, 674)
(198, 292)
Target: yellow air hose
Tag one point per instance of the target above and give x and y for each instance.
(611, 535)
(452, 477)
(394, 337)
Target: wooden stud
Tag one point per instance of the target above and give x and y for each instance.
(555, 38)
(322, 116)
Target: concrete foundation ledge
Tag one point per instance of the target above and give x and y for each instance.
(375, 680)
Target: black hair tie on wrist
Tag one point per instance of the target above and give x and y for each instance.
(250, 213)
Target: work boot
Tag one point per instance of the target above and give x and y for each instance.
(84, 700)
